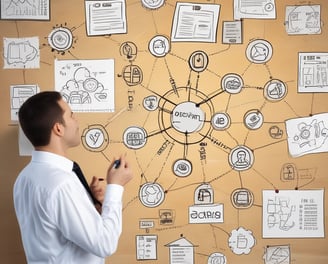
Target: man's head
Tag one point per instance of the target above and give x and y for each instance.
(46, 114)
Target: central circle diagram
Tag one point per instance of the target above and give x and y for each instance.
(182, 115)
(187, 118)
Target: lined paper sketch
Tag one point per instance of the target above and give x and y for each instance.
(146, 247)
(21, 53)
(25, 9)
(303, 19)
(293, 213)
(18, 95)
(87, 85)
(181, 251)
(261, 9)
(232, 32)
(312, 72)
(105, 17)
(307, 135)
(195, 22)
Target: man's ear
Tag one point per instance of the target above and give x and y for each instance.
(58, 129)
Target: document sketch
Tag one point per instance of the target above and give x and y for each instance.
(146, 246)
(25, 9)
(232, 32)
(303, 19)
(261, 9)
(181, 251)
(307, 135)
(312, 72)
(21, 53)
(87, 85)
(195, 22)
(293, 213)
(105, 17)
(19, 94)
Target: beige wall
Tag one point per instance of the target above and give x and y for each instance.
(144, 24)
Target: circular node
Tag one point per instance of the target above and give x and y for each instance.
(198, 61)
(181, 115)
(135, 137)
(60, 39)
(253, 119)
(275, 90)
(132, 75)
(221, 121)
(259, 51)
(128, 50)
(159, 46)
(182, 168)
(241, 158)
(153, 4)
(242, 198)
(187, 118)
(217, 258)
(95, 138)
(150, 103)
(232, 83)
(151, 194)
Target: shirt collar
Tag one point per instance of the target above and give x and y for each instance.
(55, 160)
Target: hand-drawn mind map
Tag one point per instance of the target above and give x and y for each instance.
(183, 117)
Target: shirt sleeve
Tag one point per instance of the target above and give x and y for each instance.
(80, 223)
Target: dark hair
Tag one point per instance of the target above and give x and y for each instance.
(38, 114)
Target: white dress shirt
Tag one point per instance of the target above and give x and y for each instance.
(57, 219)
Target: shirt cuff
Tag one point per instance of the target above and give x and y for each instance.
(114, 193)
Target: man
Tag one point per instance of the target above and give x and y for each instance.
(59, 223)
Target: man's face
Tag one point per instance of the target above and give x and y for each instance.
(71, 127)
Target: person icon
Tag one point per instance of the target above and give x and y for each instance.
(242, 161)
(241, 158)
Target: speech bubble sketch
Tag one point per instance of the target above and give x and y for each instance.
(307, 135)
(241, 241)
(21, 53)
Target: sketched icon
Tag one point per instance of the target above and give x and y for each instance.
(95, 138)
(60, 39)
(182, 168)
(151, 194)
(135, 137)
(259, 51)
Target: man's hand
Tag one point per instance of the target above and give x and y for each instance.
(121, 174)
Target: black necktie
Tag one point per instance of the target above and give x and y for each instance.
(79, 173)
